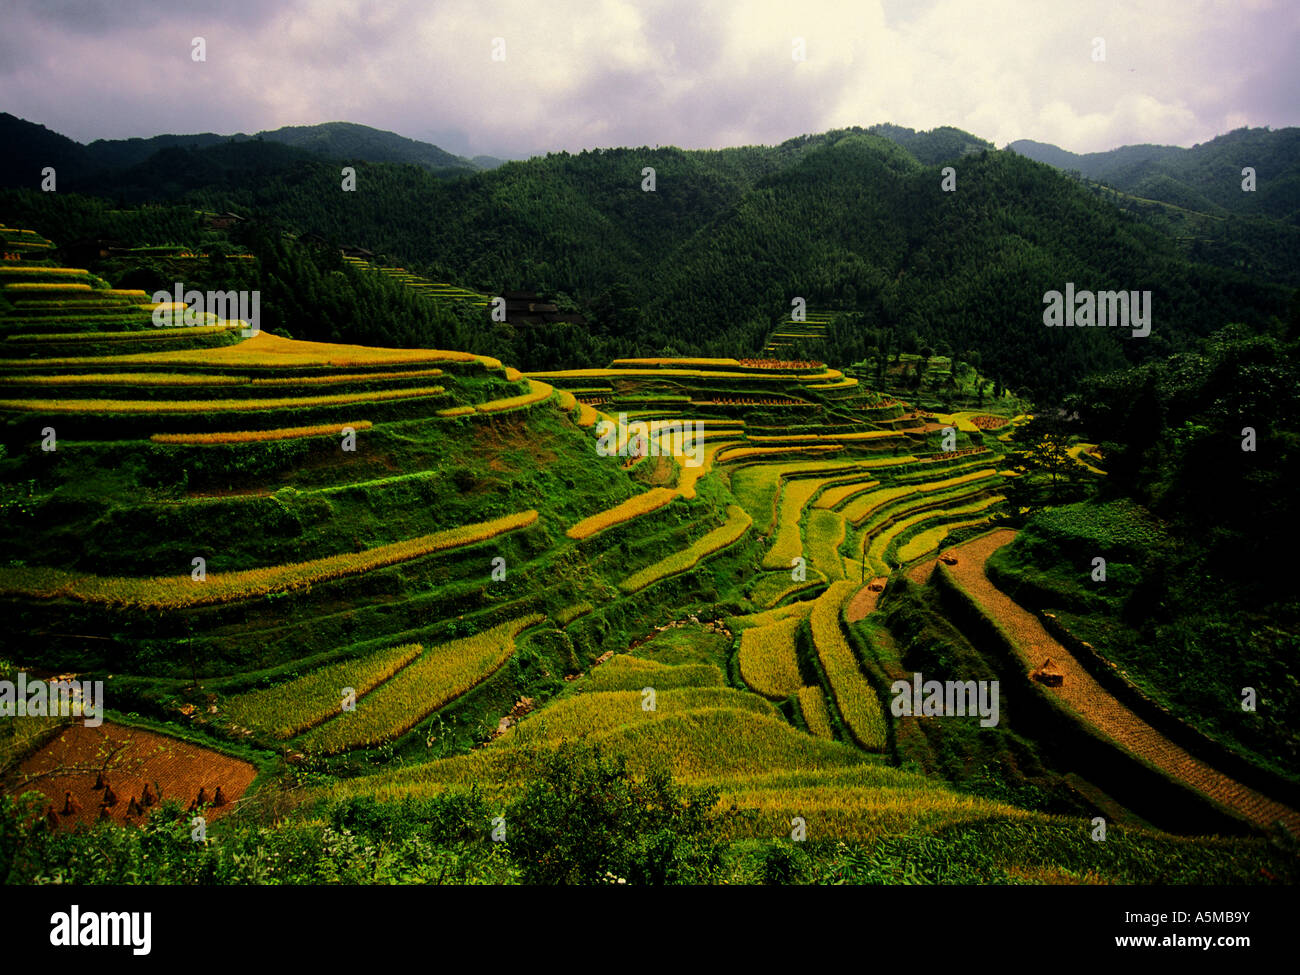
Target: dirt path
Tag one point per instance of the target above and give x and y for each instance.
(863, 602)
(921, 572)
(1094, 703)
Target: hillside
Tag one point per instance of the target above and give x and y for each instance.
(1196, 196)
(393, 582)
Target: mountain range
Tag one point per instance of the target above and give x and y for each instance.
(705, 261)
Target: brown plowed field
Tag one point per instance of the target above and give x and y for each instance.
(176, 768)
(1094, 703)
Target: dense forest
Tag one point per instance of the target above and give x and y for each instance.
(854, 220)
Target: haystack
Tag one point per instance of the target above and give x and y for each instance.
(1049, 674)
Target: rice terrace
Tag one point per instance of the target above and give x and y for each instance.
(542, 521)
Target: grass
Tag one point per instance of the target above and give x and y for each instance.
(737, 523)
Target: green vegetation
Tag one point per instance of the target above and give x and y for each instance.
(433, 601)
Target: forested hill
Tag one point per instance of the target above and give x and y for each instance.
(1202, 196)
(852, 220)
(94, 167)
(1205, 177)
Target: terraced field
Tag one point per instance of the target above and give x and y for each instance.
(1081, 694)
(409, 569)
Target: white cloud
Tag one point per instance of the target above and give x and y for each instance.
(675, 71)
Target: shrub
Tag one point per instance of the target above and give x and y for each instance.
(583, 818)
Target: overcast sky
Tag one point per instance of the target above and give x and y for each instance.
(691, 73)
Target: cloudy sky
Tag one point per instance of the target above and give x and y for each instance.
(694, 73)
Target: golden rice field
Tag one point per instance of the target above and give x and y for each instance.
(264, 350)
(786, 438)
(772, 587)
(141, 406)
(127, 379)
(22, 270)
(171, 335)
(812, 705)
(696, 733)
(767, 659)
(438, 676)
(928, 540)
(860, 508)
(881, 541)
(347, 377)
(176, 592)
(257, 436)
(682, 374)
(836, 495)
(599, 712)
(766, 617)
(825, 531)
(626, 673)
(737, 523)
(715, 740)
(1081, 450)
(634, 507)
(457, 411)
(744, 453)
(36, 287)
(858, 703)
(788, 543)
(537, 393)
(690, 476)
(700, 363)
(292, 707)
(568, 614)
(861, 803)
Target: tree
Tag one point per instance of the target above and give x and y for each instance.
(1044, 450)
(582, 816)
